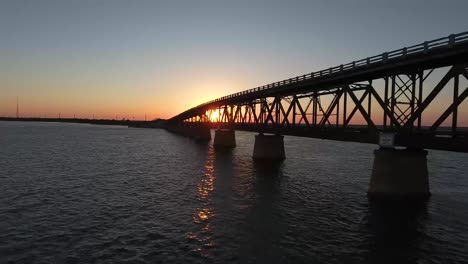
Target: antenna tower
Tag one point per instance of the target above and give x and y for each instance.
(17, 106)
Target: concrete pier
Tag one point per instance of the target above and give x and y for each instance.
(199, 132)
(269, 147)
(179, 130)
(399, 173)
(224, 139)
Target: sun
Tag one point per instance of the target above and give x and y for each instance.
(214, 115)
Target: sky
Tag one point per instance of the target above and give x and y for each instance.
(128, 59)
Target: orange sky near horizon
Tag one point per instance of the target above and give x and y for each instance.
(88, 104)
(108, 100)
(119, 59)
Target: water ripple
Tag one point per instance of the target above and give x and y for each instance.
(90, 194)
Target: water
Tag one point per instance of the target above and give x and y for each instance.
(102, 194)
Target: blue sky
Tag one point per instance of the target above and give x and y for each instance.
(161, 57)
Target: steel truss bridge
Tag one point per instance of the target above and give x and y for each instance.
(394, 92)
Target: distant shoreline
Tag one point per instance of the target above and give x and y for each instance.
(159, 123)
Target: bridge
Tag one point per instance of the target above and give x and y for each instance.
(387, 99)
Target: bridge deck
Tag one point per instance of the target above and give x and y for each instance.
(277, 108)
(430, 54)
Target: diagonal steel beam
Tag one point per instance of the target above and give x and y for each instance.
(452, 72)
(384, 107)
(263, 107)
(427, 75)
(304, 116)
(450, 109)
(400, 87)
(402, 91)
(354, 109)
(286, 115)
(270, 111)
(282, 111)
(225, 114)
(330, 109)
(465, 74)
(319, 104)
(254, 113)
(359, 106)
(235, 114)
(246, 111)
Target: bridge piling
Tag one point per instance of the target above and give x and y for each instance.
(269, 148)
(399, 173)
(198, 132)
(224, 139)
(201, 132)
(295, 107)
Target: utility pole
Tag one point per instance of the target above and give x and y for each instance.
(17, 107)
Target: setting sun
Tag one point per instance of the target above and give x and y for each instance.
(214, 115)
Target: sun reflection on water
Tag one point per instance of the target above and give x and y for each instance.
(202, 238)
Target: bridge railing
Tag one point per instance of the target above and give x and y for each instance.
(422, 48)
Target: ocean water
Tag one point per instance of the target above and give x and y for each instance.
(74, 193)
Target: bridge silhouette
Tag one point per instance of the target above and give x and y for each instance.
(390, 91)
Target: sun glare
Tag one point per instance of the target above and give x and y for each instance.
(214, 115)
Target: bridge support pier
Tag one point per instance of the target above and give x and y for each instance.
(269, 148)
(399, 173)
(224, 139)
(199, 132)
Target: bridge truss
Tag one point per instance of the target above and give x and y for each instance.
(396, 92)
